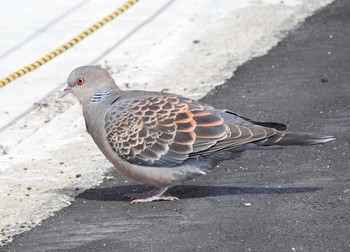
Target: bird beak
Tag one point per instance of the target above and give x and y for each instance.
(66, 91)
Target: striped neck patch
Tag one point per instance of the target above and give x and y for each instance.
(96, 98)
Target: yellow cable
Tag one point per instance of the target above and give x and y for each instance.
(67, 45)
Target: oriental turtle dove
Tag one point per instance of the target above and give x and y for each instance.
(163, 139)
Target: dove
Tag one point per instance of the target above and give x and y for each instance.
(163, 139)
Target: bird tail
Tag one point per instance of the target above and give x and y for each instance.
(289, 138)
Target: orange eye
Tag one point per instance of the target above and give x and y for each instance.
(80, 81)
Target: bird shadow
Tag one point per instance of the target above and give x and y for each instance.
(188, 191)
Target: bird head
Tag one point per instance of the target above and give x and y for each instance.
(86, 81)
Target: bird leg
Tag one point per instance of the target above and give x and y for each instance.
(150, 196)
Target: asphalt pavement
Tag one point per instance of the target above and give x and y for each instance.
(293, 199)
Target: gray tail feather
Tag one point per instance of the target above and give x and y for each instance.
(290, 138)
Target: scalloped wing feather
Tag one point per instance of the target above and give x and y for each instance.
(165, 130)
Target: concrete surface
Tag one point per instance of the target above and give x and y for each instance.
(186, 48)
(295, 199)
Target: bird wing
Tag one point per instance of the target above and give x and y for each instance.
(166, 130)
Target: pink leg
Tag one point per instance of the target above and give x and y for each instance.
(154, 195)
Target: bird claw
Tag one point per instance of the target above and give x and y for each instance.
(154, 198)
(150, 196)
(141, 195)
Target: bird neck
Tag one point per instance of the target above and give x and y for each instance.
(95, 109)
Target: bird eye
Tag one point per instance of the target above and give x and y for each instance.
(80, 81)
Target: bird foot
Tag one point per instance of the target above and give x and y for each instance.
(150, 196)
(155, 198)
